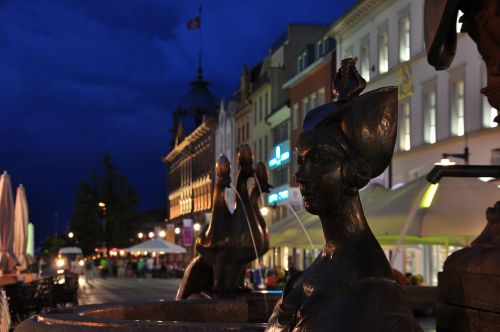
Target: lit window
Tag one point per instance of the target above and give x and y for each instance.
(383, 51)
(319, 49)
(459, 24)
(295, 115)
(312, 99)
(364, 64)
(404, 38)
(305, 107)
(430, 117)
(457, 108)
(321, 96)
(489, 114)
(348, 53)
(404, 137)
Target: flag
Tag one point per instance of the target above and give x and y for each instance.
(195, 23)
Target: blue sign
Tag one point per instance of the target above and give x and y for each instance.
(277, 196)
(280, 155)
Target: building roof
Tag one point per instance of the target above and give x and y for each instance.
(361, 9)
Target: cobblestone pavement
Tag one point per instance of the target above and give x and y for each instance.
(126, 289)
(135, 289)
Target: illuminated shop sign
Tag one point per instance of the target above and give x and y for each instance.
(280, 155)
(278, 196)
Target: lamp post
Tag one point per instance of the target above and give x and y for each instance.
(102, 208)
(464, 155)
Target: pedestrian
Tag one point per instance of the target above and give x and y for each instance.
(104, 265)
(150, 266)
(140, 267)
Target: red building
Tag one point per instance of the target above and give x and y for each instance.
(311, 86)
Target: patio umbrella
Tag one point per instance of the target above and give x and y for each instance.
(21, 219)
(449, 213)
(7, 258)
(158, 246)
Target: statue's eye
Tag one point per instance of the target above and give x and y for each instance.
(321, 160)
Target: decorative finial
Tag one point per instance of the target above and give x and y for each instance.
(348, 83)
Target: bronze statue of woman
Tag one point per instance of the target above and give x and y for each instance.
(349, 286)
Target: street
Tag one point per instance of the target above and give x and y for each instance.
(126, 289)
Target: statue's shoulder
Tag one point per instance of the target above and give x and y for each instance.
(373, 304)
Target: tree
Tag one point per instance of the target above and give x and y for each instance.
(113, 223)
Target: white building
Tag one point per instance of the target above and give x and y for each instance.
(225, 143)
(440, 111)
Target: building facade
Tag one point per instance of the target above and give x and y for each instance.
(439, 111)
(191, 165)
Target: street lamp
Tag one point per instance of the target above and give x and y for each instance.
(70, 235)
(140, 235)
(177, 230)
(102, 207)
(162, 233)
(264, 211)
(151, 234)
(464, 155)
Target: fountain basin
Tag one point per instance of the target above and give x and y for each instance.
(226, 312)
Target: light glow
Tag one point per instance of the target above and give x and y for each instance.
(162, 233)
(177, 230)
(277, 197)
(429, 196)
(140, 235)
(264, 211)
(446, 162)
(70, 235)
(197, 227)
(151, 234)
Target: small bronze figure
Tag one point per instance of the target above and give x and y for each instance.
(231, 240)
(481, 20)
(350, 286)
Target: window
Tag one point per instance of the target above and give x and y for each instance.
(321, 96)
(255, 113)
(348, 53)
(457, 108)
(489, 113)
(261, 108)
(312, 99)
(319, 49)
(404, 135)
(305, 108)
(247, 136)
(459, 24)
(364, 63)
(266, 151)
(383, 50)
(404, 37)
(280, 176)
(295, 116)
(260, 149)
(430, 116)
(266, 103)
(280, 133)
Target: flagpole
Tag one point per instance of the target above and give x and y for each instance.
(200, 70)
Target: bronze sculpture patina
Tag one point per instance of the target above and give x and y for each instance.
(350, 286)
(231, 240)
(481, 20)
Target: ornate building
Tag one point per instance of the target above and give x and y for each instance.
(191, 162)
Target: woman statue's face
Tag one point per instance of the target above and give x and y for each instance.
(319, 173)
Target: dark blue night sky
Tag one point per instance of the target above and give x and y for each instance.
(78, 78)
